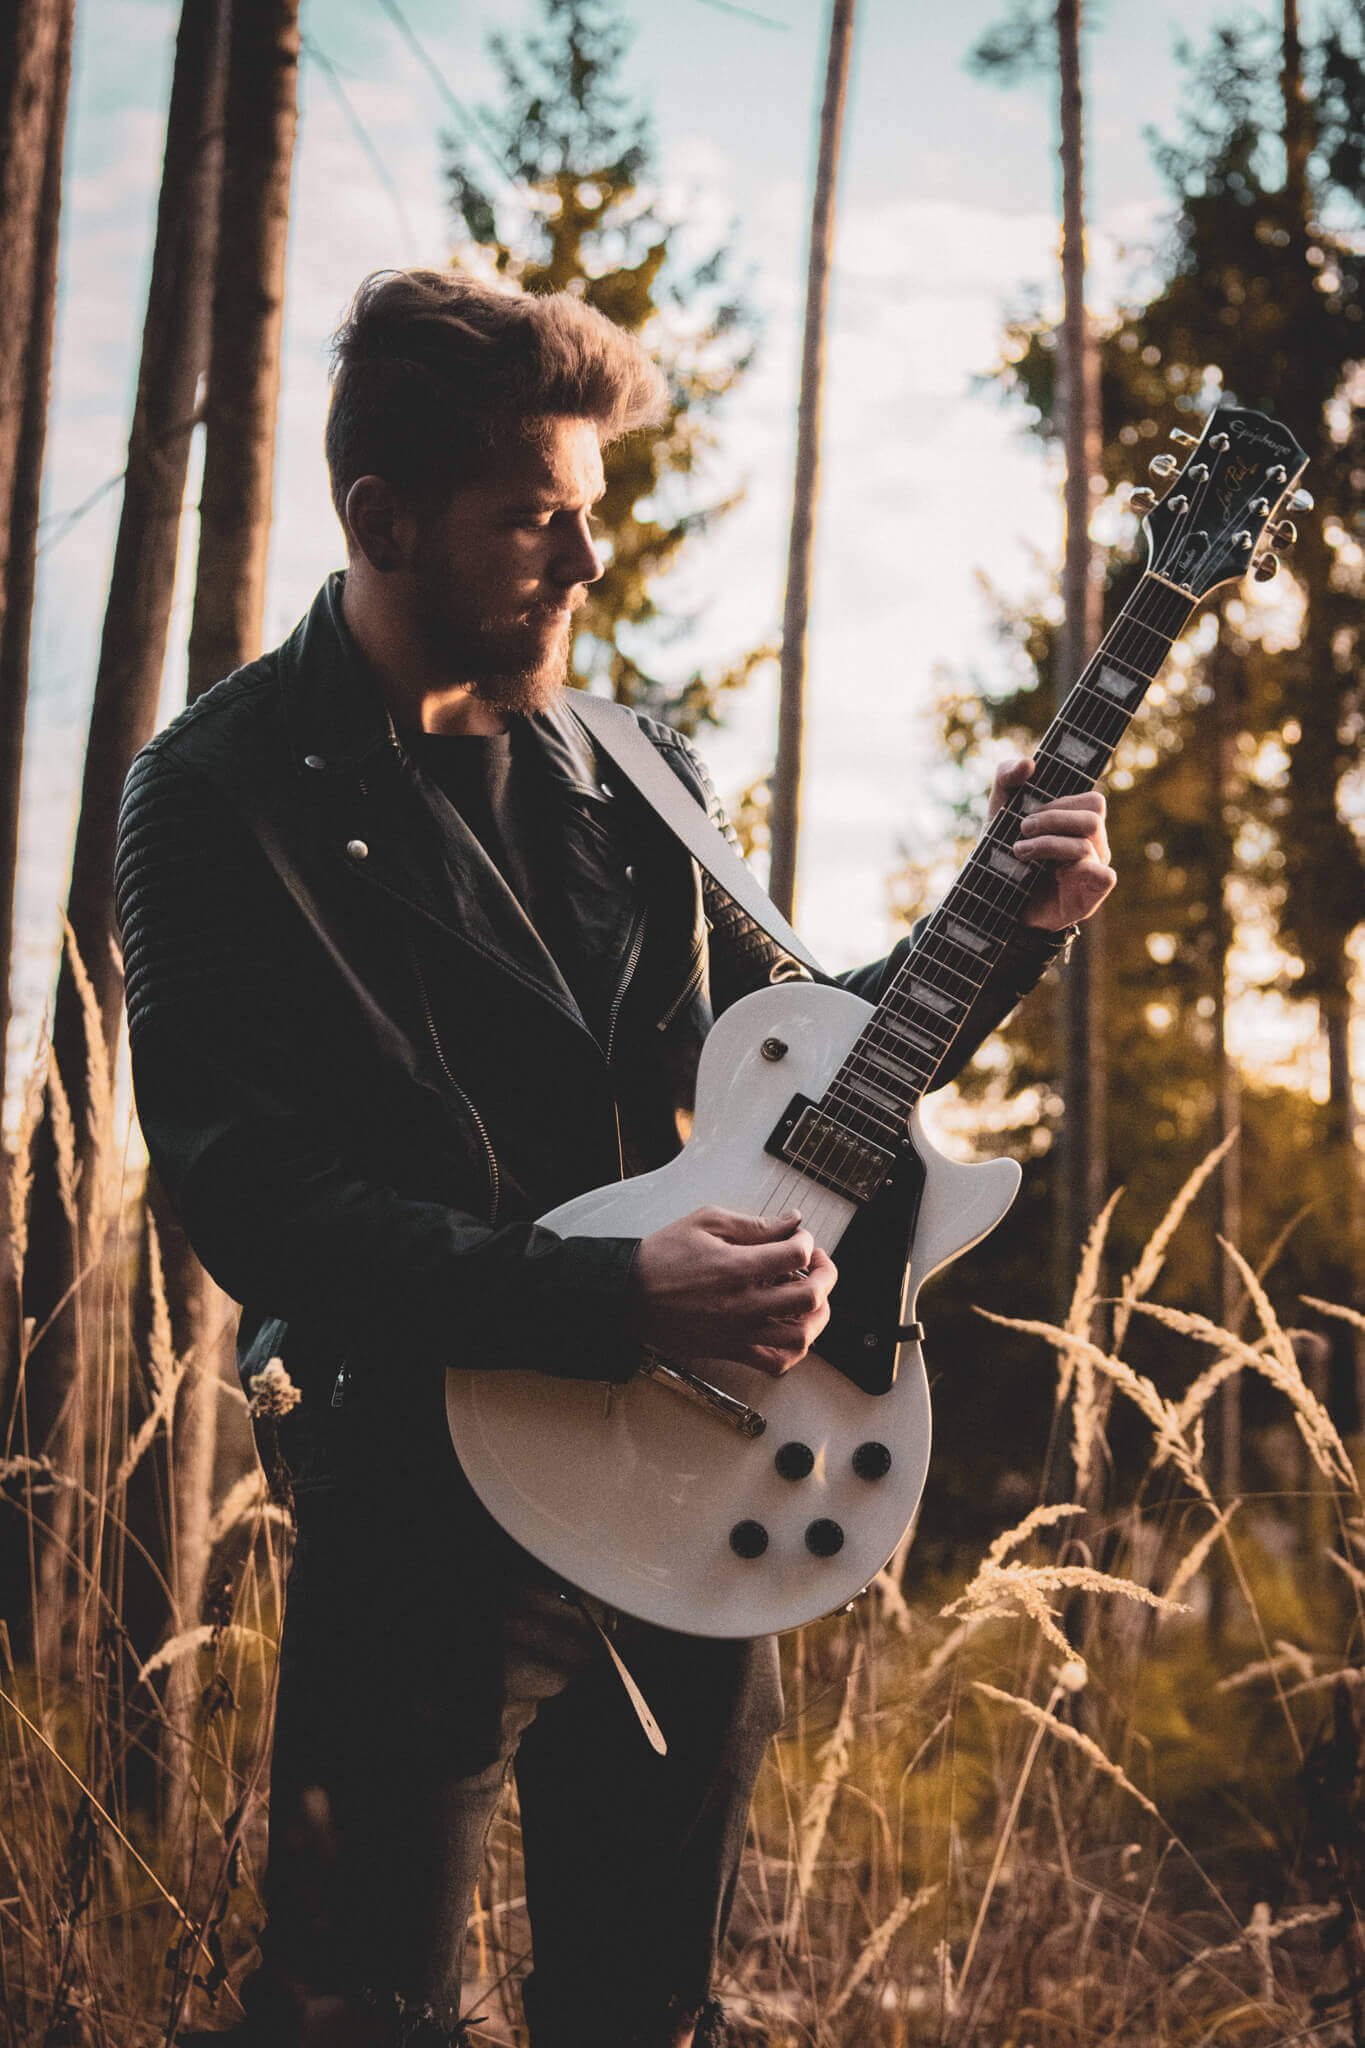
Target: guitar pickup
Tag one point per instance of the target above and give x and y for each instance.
(824, 1151)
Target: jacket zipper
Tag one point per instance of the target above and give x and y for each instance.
(637, 940)
(694, 976)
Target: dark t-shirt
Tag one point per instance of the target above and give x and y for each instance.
(491, 786)
(497, 784)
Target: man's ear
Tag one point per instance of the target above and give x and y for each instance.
(380, 525)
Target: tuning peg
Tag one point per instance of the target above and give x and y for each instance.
(1142, 500)
(1302, 501)
(1264, 567)
(1283, 534)
(1182, 439)
(1163, 465)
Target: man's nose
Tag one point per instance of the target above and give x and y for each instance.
(576, 560)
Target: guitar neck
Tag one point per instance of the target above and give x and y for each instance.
(905, 1042)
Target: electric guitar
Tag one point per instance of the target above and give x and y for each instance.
(710, 1498)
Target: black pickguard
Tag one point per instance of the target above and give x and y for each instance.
(866, 1306)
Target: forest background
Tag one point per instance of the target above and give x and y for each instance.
(142, 1553)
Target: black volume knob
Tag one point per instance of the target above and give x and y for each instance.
(794, 1461)
(872, 1461)
(749, 1539)
(824, 1538)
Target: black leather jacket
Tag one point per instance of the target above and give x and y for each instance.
(360, 1074)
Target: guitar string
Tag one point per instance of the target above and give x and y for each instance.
(1101, 721)
(999, 900)
(1155, 612)
(1005, 896)
(1138, 628)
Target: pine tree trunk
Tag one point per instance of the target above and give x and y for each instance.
(1084, 1150)
(248, 321)
(175, 350)
(21, 553)
(1225, 1432)
(127, 689)
(35, 67)
(786, 804)
(35, 73)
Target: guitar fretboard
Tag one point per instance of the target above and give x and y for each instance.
(905, 1042)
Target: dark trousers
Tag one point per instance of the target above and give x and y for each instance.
(409, 1684)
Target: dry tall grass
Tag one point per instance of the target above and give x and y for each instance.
(1035, 1806)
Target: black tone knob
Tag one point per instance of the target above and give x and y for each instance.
(749, 1539)
(824, 1538)
(872, 1461)
(795, 1461)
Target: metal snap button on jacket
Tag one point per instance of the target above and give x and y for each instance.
(313, 761)
(357, 849)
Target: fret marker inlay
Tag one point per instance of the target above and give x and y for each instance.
(887, 1063)
(1005, 864)
(1120, 686)
(975, 942)
(870, 1093)
(898, 1028)
(1083, 752)
(933, 998)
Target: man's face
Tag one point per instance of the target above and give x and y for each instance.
(499, 571)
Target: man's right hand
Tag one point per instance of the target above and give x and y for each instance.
(749, 1289)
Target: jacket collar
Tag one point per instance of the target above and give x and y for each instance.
(334, 711)
(419, 850)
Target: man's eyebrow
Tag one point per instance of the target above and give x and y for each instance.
(543, 501)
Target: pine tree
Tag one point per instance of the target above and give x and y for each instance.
(570, 209)
(1236, 775)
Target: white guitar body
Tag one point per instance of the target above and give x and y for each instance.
(635, 1493)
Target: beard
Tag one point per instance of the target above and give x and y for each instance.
(533, 687)
(516, 665)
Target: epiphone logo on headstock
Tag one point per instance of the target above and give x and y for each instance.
(1235, 474)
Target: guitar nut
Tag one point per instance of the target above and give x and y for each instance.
(773, 1049)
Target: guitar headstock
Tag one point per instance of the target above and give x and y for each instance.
(1239, 476)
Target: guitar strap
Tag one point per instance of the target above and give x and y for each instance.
(615, 731)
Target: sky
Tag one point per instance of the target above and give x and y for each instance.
(947, 220)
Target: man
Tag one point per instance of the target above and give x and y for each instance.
(405, 970)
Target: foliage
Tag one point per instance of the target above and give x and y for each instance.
(577, 215)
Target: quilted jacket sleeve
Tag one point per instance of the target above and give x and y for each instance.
(743, 957)
(221, 1057)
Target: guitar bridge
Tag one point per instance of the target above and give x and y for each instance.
(810, 1140)
(703, 1394)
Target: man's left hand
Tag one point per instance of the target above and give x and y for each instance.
(1068, 835)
